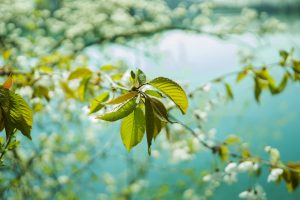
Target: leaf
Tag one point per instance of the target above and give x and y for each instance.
(141, 77)
(97, 103)
(6, 54)
(1, 121)
(133, 128)
(159, 109)
(8, 83)
(242, 75)
(284, 55)
(257, 89)
(232, 139)
(123, 98)
(224, 152)
(172, 90)
(132, 74)
(158, 125)
(107, 67)
(21, 114)
(120, 112)
(80, 73)
(150, 127)
(68, 91)
(41, 91)
(154, 93)
(82, 88)
(283, 82)
(291, 176)
(16, 113)
(228, 91)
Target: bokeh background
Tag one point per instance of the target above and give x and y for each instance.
(82, 158)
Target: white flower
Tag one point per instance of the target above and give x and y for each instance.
(244, 194)
(207, 178)
(231, 167)
(189, 194)
(274, 175)
(200, 115)
(247, 166)
(181, 154)
(256, 193)
(230, 178)
(274, 154)
(137, 186)
(206, 87)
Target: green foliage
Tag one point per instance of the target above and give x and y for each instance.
(172, 90)
(119, 112)
(132, 105)
(97, 103)
(291, 176)
(229, 90)
(133, 128)
(80, 73)
(123, 98)
(15, 113)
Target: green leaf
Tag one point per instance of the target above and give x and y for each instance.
(132, 74)
(1, 121)
(123, 98)
(16, 113)
(154, 93)
(159, 109)
(82, 88)
(150, 127)
(257, 89)
(229, 91)
(283, 82)
(158, 125)
(67, 90)
(292, 176)
(141, 77)
(284, 55)
(241, 75)
(224, 152)
(97, 103)
(108, 67)
(120, 112)
(41, 91)
(172, 90)
(296, 66)
(232, 139)
(80, 73)
(133, 128)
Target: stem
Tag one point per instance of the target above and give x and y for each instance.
(5, 147)
(233, 155)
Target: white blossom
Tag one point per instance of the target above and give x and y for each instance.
(230, 178)
(181, 154)
(248, 166)
(256, 193)
(275, 174)
(231, 167)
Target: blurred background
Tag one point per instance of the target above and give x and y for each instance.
(74, 156)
